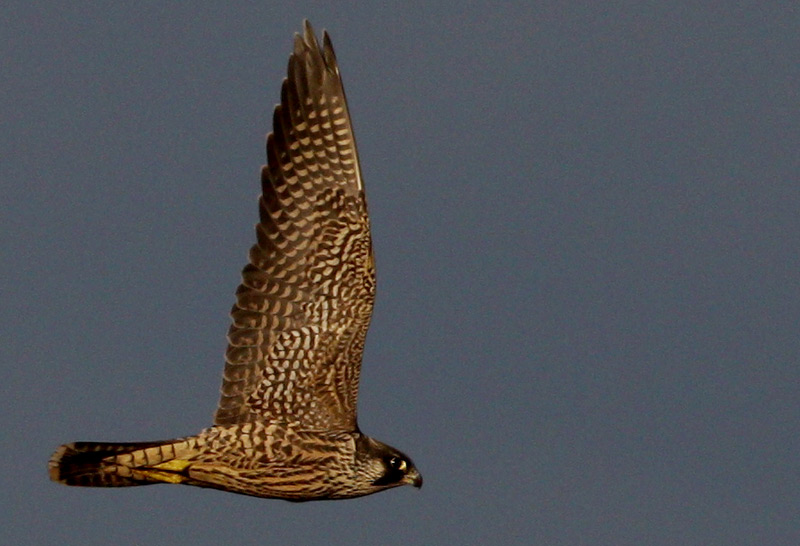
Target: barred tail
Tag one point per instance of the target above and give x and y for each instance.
(94, 464)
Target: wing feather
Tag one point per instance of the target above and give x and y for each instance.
(305, 301)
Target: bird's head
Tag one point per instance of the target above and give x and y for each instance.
(379, 467)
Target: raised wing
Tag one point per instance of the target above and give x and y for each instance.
(303, 308)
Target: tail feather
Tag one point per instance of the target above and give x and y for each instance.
(93, 464)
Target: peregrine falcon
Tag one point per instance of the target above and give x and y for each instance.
(286, 422)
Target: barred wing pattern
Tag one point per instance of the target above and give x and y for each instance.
(303, 308)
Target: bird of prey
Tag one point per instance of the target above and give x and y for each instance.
(286, 422)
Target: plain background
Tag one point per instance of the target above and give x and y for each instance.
(586, 223)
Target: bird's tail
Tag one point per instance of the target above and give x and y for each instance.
(95, 464)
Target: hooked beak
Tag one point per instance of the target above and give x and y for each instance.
(413, 478)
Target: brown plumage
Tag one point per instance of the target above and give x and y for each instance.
(286, 423)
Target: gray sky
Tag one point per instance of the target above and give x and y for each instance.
(585, 218)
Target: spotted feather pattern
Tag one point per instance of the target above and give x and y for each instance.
(304, 305)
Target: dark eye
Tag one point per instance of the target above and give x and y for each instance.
(396, 463)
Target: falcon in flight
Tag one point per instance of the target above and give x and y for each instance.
(286, 422)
